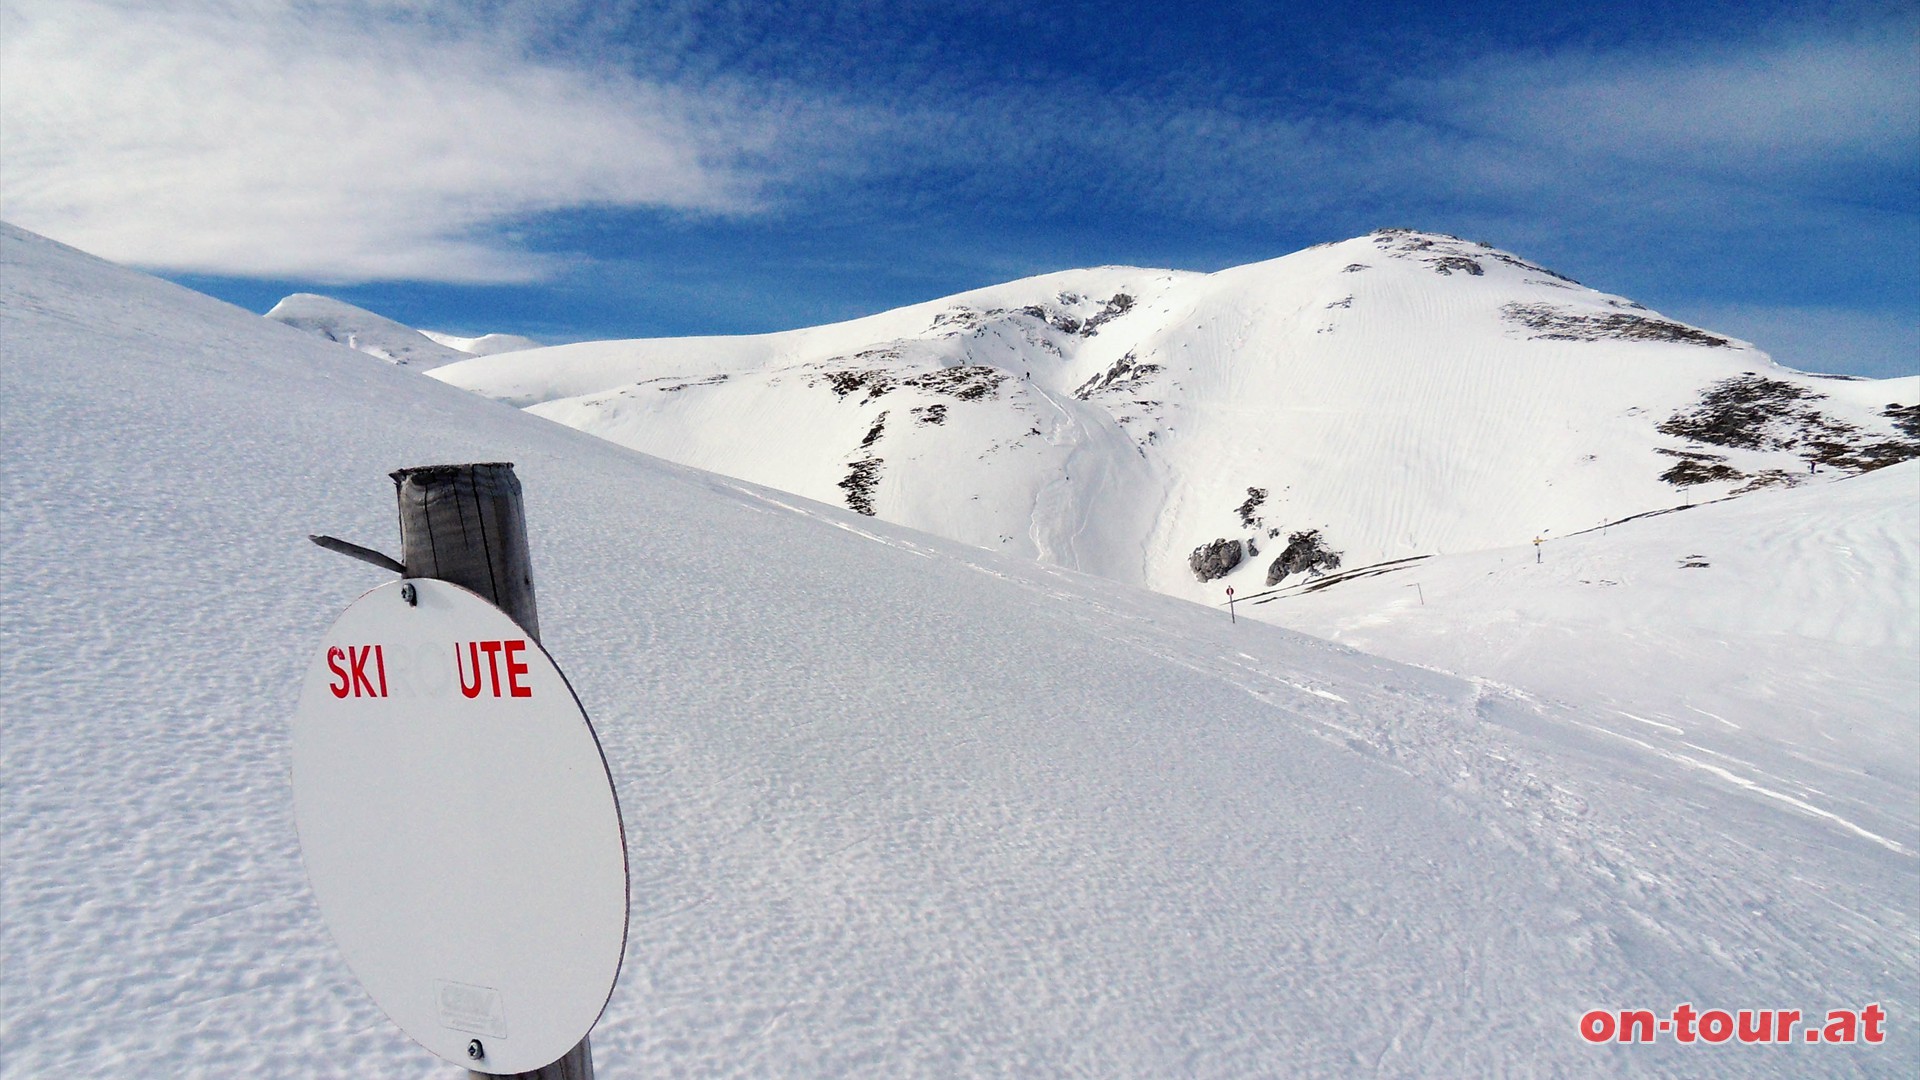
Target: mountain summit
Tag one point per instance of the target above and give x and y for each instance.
(1397, 394)
(377, 335)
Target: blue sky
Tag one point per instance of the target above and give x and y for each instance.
(647, 168)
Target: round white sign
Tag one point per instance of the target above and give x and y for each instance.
(459, 827)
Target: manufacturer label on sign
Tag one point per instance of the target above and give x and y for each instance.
(459, 827)
(471, 1008)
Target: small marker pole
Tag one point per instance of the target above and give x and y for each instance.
(1230, 616)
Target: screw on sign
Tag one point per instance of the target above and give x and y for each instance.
(459, 828)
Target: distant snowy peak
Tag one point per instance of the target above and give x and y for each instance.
(1393, 395)
(377, 335)
(1576, 313)
(484, 345)
(358, 328)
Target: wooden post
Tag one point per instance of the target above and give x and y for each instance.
(464, 524)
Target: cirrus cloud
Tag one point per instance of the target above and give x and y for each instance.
(337, 142)
(1808, 98)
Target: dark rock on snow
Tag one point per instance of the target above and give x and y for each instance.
(1306, 553)
(1215, 560)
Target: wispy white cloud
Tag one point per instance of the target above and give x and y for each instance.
(1749, 168)
(350, 140)
(1813, 98)
(336, 141)
(1678, 134)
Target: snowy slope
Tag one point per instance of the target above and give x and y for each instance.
(1402, 393)
(895, 805)
(484, 345)
(377, 335)
(1774, 637)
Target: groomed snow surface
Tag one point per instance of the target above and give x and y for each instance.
(896, 806)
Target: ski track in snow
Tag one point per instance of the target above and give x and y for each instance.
(954, 814)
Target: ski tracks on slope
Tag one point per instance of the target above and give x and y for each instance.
(1718, 883)
(1811, 897)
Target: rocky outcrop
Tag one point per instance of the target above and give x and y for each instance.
(1750, 412)
(1305, 553)
(1215, 560)
(1553, 323)
(1906, 418)
(1124, 375)
(1697, 467)
(1248, 511)
(862, 477)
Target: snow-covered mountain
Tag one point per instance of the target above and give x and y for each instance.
(899, 806)
(1771, 636)
(377, 335)
(485, 344)
(1400, 394)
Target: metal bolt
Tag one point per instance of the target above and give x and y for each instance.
(412, 597)
(474, 1049)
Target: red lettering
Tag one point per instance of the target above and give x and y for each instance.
(1755, 1025)
(334, 656)
(380, 661)
(1873, 1015)
(473, 651)
(495, 651)
(357, 662)
(1783, 1022)
(515, 669)
(1636, 1025)
(492, 649)
(1842, 1027)
(1716, 1025)
(1683, 1015)
(1597, 1026)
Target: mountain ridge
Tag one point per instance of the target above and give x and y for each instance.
(1397, 394)
(376, 335)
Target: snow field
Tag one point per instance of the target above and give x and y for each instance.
(1771, 637)
(896, 806)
